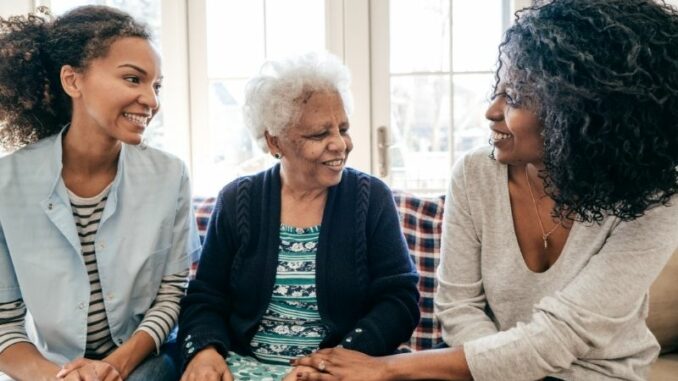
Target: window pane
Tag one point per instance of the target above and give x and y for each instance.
(471, 95)
(235, 37)
(420, 120)
(294, 27)
(476, 34)
(420, 35)
(146, 11)
(242, 34)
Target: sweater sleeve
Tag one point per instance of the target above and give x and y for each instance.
(392, 292)
(460, 300)
(162, 317)
(587, 314)
(205, 309)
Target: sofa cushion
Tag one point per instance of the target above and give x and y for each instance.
(663, 318)
(421, 221)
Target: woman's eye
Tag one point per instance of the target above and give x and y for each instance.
(132, 79)
(157, 88)
(319, 136)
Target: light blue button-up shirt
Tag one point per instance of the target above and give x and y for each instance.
(147, 231)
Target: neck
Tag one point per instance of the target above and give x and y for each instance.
(297, 191)
(87, 152)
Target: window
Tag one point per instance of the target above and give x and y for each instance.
(240, 35)
(438, 90)
(421, 68)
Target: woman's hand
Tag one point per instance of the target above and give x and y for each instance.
(292, 375)
(207, 365)
(342, 364)
(83, 369)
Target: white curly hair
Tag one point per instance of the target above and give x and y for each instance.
(273, 98)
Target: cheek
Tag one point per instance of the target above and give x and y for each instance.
(349, 144)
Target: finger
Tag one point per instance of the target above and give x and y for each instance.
(69, 367)
(87, 373)
(316, 376)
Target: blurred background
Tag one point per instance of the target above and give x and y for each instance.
(422, 75)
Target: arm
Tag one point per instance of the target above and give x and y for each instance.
(18, 357)
(205, 309)
(22, 361)
(154, 328)
(159, 320)
(460, 298)
(392, 292)
(594, 308)
(342, 364)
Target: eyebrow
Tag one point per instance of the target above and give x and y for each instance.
(137, 68)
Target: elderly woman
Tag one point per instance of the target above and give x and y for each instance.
(550, 247)
(305, 255)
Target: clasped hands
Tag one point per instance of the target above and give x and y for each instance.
(83, 369)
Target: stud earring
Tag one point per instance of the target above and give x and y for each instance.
(277, 155)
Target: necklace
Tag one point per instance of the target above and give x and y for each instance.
(544, 234)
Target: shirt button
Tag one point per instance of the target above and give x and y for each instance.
(119, 341)
(109, 297)
(358, 330)
(50, 206)
(189, 344)
(190, 350)
(348, 339)
(188, 337)
(81, 306)
(101, 246)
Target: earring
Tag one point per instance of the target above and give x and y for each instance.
(277, 155)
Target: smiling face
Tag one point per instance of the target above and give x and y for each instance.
(117, 94)
(315, 149)
(516, 130)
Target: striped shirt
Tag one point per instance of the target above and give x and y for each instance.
(158, 320)
(291, 326)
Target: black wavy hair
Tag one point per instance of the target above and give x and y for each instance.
(33, 48)
(602, 75)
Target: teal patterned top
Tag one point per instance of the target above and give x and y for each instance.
(291, 325)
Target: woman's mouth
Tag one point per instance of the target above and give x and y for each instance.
(497, 137)
(137, 119)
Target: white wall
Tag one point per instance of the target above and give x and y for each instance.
(15, 7)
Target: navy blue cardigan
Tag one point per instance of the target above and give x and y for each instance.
(365, 279)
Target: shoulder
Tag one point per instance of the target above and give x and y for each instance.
(30, 154)
(477, 169)
(29, 164)
(155, 161)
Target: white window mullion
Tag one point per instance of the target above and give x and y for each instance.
(198, 91)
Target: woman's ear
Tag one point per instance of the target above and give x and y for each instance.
(70, 81)
(273, 143)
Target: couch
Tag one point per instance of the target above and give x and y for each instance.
(421, 221)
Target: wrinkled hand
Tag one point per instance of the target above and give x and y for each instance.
(339, 364)
(292, 375)
(83, 369)
(207, 365)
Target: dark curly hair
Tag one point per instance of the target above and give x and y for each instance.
(602, 75)
(33, 48)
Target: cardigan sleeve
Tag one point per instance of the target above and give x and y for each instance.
(205, 309)
(460, 300)
(392, 289)
(599, 303)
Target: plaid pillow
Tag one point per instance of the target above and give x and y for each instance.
(422, 221)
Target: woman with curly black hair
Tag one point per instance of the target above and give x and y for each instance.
(96, 229)
(551, 244)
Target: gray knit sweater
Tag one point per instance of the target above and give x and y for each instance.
(582, 319)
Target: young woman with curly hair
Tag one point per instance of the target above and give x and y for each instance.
(551, 244)
(96, 229)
